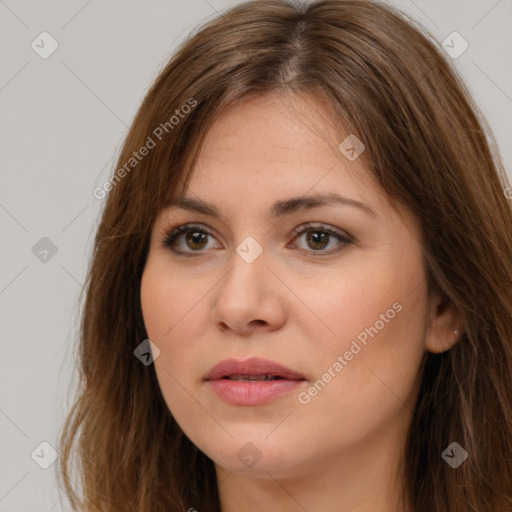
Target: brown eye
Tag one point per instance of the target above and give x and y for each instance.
(319, 237)
(195, 239)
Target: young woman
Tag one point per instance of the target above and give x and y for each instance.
(300, 293)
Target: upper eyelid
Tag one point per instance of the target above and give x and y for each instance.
(304, 226)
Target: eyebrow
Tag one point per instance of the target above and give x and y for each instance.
(279, 208)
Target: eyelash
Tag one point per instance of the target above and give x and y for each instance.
(170, 237)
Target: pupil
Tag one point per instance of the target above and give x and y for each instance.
(197, 238)
(316, 238)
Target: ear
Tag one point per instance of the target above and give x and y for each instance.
(444, 327)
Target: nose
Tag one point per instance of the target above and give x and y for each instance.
(249, 298)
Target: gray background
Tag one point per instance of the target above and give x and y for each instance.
(63, 120)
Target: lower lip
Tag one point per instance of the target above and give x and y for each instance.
(239, 392)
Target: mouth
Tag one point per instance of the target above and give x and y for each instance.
(252, 369)
(253, 378)
(253, 381)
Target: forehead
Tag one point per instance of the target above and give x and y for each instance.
(272, 127)
(276, 145)
(279, 141)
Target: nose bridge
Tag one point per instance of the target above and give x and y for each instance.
(246, 294)
(248, 266)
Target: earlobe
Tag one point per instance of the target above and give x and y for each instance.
(444, 327)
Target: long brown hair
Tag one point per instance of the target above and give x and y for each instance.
(430, 149)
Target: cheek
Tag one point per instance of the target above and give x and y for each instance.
(170, 310)
(155, 304)
(175, 312)
(381, 291)
(351, 301)
(376, 318)
(169, 301)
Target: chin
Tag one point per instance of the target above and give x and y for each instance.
(253, 454)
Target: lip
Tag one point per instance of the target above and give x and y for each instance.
(251, 366)
(238, 392)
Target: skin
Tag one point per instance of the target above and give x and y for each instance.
(297, 306)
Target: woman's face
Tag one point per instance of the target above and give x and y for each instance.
(333, 291)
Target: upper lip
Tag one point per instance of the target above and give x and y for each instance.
(251, 366)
